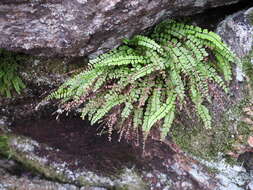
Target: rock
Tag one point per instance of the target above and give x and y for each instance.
(247, 161)
(26, 151)
(41, 76)
(4, 123)
(13, 176)
(8, 182)
(237, 31)
(250, 186)
(82, 27)
(230, 176)
(78, 156)
(182, 173)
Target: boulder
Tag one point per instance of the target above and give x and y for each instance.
(237, 31)
(80, 157)
(82, 27)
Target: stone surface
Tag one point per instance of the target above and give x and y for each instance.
(163, 169)
(12, 182)
(26, 151)
(237, 31)
(84, 27)
(14, 176)
(181, 172)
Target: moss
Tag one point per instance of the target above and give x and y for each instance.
(50, 72)
(221, 137)
(212, 170)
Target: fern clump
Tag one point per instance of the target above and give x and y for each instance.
(9, 79)
(139, 85)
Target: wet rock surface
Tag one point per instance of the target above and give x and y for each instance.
(82, 27)
(13, 175)
(80, 157)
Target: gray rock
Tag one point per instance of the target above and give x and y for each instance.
(25, 151)
(4, 122)
(178, 171)
(82, 27)
(230, 176)
(8, 182)
(237, 31)
(92, 188)
(250, 185)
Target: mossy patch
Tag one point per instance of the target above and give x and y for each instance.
(220, 138)
(50, 72)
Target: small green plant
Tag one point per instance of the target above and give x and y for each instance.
(4, 145)
(9, 79)
(139, 86)
(248, 67)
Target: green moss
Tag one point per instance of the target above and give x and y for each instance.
(50, 71)
(203, 143)
(221, 137)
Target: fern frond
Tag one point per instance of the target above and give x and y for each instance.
(138, 115)
(121, 60)
(109, 104)
(146, 42)
(142, 83)
(152, 118)
(204, 115)
(168, 120)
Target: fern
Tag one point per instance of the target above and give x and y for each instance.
(9, 78)
(140, 85)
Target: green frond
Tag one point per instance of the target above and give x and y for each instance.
(127, 110)
(138, 115)
(168, 121)
(224, 66)
(204, 115)
(144, 81)
(177, 83)
(112, 101)
(145, 42)
(10, 80)
(153, 117)
(121, 60)
(143, 72)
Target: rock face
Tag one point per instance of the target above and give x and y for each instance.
(237, 31)
(174, 171)
(83, 27)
